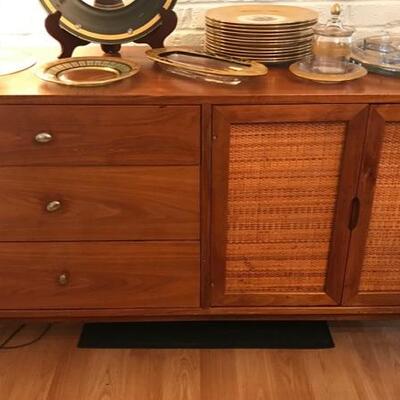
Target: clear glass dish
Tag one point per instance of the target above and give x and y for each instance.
(379, 53)
(206, 67)
(332, 45)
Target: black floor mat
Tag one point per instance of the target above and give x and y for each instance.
(207, 335)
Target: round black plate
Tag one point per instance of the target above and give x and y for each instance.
(109, 26)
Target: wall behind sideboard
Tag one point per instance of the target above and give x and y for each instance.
(368, 16)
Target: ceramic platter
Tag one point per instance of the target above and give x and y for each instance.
(109, 21)
(200, 65)
(302, 70)
(265, 33)
(88, 71)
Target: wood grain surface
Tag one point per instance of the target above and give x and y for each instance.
(99, 203)
(96, 135)
(153, 85)
(363, 366)
(99, 275)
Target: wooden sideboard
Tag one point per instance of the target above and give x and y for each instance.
(165, 198)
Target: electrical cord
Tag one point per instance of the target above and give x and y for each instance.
(3, 346)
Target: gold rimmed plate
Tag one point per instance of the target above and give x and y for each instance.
(301, 69)
(263, 32)
(258, 49)
(97, 21)
(262, 14)
(264, 41)
(87, 71)
(259, 36)
(260, 28)
(261, 59)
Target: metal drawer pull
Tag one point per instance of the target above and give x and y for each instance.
(53, 206)
(44, 137)
(63, 279)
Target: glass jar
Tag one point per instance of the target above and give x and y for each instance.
(332, 45)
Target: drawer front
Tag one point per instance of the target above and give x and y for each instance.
(99, 203)
(96, 135)
(99, 275)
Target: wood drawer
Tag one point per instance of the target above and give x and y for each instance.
(97, 135)
(99, 275)
(99, 203)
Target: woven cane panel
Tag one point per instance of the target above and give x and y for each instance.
(283, 184)
(381, 268)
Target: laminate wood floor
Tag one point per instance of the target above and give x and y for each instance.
(365, 365)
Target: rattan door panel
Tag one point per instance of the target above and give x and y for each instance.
(373, 276)
(276, 178)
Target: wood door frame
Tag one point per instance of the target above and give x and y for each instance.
(378, 117)
(356, 115)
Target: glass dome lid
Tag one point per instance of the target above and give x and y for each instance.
(334, 26)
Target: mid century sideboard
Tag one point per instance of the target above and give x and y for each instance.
(163, 197)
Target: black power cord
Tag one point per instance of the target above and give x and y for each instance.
(3, 346)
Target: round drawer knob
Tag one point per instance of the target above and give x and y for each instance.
(53, 206)
(63, 279)
(44, 137)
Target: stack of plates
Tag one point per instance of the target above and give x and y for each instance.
(264, 33)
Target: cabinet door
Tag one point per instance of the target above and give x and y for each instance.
(373, 275)
(283, 182)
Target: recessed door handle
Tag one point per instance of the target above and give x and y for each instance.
(355, 213)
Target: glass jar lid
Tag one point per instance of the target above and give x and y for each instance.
(334, 27)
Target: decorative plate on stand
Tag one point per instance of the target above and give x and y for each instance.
(109, 22)
(120, 22)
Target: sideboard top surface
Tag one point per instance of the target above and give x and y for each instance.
(155, 86)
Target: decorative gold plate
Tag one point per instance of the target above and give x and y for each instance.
(259, 14)
(261, 59)
(260, 50)
(89, 21)
(197, 64)
(261, 30)
(263, 34)
(87, 71)
(269, 41)
(355, 72)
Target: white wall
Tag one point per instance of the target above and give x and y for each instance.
(367, 15)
